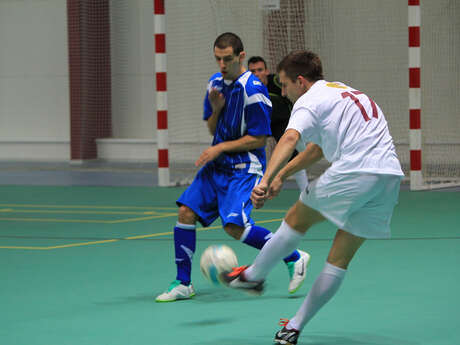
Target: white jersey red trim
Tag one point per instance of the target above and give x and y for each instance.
(349, 127)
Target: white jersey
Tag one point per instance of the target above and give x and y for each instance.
(349, 127)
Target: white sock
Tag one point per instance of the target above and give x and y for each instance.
(283, 243)
(324, 287)
(302, 179)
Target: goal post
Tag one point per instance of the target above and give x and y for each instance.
(434, 40)
(159, 35)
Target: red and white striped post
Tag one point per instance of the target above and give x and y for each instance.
(161, 92)
(415, 131)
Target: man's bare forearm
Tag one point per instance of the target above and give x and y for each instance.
(283, 151)
(243, 144)
(303, 160)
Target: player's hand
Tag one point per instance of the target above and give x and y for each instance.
(208, 155)
(259, 195)
(275, 187)
(217, 100)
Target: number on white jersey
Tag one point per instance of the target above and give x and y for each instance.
(355, 99)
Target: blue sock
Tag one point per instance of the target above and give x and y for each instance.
(256, 237)
(184, 245)
(293, 257)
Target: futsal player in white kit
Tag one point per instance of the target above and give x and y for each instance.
(357, 193)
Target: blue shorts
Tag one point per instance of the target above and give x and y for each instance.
(216, 193)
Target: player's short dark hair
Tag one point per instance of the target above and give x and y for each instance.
(303, 63)
(229, 39)
(256, 59)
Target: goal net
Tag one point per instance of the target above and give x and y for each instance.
(363, 43)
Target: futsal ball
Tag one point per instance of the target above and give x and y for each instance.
(215, 260)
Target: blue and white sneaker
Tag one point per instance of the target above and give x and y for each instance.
(298, 271)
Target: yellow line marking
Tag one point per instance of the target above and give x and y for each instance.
(125, 238)
(152, 208)
(158, 234)
(82, 244)
(270, 211)
(164, 208)
(78, 212)
(56, 220)
(83, 206)
(270, 220)
(146, 236)
(142, 218)
(28, 248)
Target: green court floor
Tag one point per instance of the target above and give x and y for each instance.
(82, 266)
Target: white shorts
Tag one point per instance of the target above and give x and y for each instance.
(359, 203)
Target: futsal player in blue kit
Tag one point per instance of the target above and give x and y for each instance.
(237, 111)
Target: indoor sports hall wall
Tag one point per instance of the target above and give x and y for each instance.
(34, 86)
(362, 42)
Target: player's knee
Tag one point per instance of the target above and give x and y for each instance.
(297, 223)
(301, 218)
(234, 230)
(344, 248)
(186, 215)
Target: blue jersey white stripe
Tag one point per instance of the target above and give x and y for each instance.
(247, 112)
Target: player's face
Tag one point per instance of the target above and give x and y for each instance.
(229, 63)
(258, 68)
(290, 89)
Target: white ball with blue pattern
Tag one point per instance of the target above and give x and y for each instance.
(215, 260)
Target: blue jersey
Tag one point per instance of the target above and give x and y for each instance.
(247, 112)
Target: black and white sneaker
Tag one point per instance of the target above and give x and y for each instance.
(286, 336)
(236, 280)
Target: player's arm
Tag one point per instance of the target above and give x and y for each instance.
(243, 144)
(303, 160)
(283, 151)
(217, 101)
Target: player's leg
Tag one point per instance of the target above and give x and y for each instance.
(197, 203)
(256, 237)
(235, 208)
(324, 288)
(303, 215)
(329, 280)
(370, 202)
(344, 248)
(184, 248)
(185, 243)
(297, 221)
